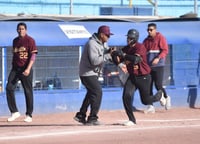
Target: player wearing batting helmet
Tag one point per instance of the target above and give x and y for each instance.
(134, 57)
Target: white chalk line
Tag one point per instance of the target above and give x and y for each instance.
(133, 128)
(103, 130)
(172, 120)
(164, 120)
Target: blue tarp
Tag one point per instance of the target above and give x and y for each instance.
(175, 32)
(44, 33)
(50, 34)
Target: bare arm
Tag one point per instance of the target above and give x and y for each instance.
(31, 62)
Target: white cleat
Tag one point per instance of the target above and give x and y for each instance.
(168, 103)
(14, 116)
(128, 123)
(163, 100)
(28, 119)
(150, 109)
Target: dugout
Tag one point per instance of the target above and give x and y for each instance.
(60, 48)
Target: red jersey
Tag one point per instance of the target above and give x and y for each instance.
(142, 68)
(23, 47)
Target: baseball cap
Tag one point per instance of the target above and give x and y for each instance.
(105, 29)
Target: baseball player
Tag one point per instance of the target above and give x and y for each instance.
(134, 57)
(157, 49)
(24, 55)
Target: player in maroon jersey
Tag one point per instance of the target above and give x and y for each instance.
(134, 57)
(24, 55)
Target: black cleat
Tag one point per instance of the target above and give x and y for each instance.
(80, 118)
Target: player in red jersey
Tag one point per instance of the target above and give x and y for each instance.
(24, 55)
(134, 56)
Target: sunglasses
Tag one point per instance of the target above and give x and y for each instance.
(108, 36)
(150, 30)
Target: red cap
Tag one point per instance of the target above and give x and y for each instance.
(105, 29)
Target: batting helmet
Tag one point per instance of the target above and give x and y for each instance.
(133, 34)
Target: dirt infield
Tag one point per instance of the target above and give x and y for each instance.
(175, 126)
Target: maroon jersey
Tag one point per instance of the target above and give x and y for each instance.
(142, 68)
(23, 47)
